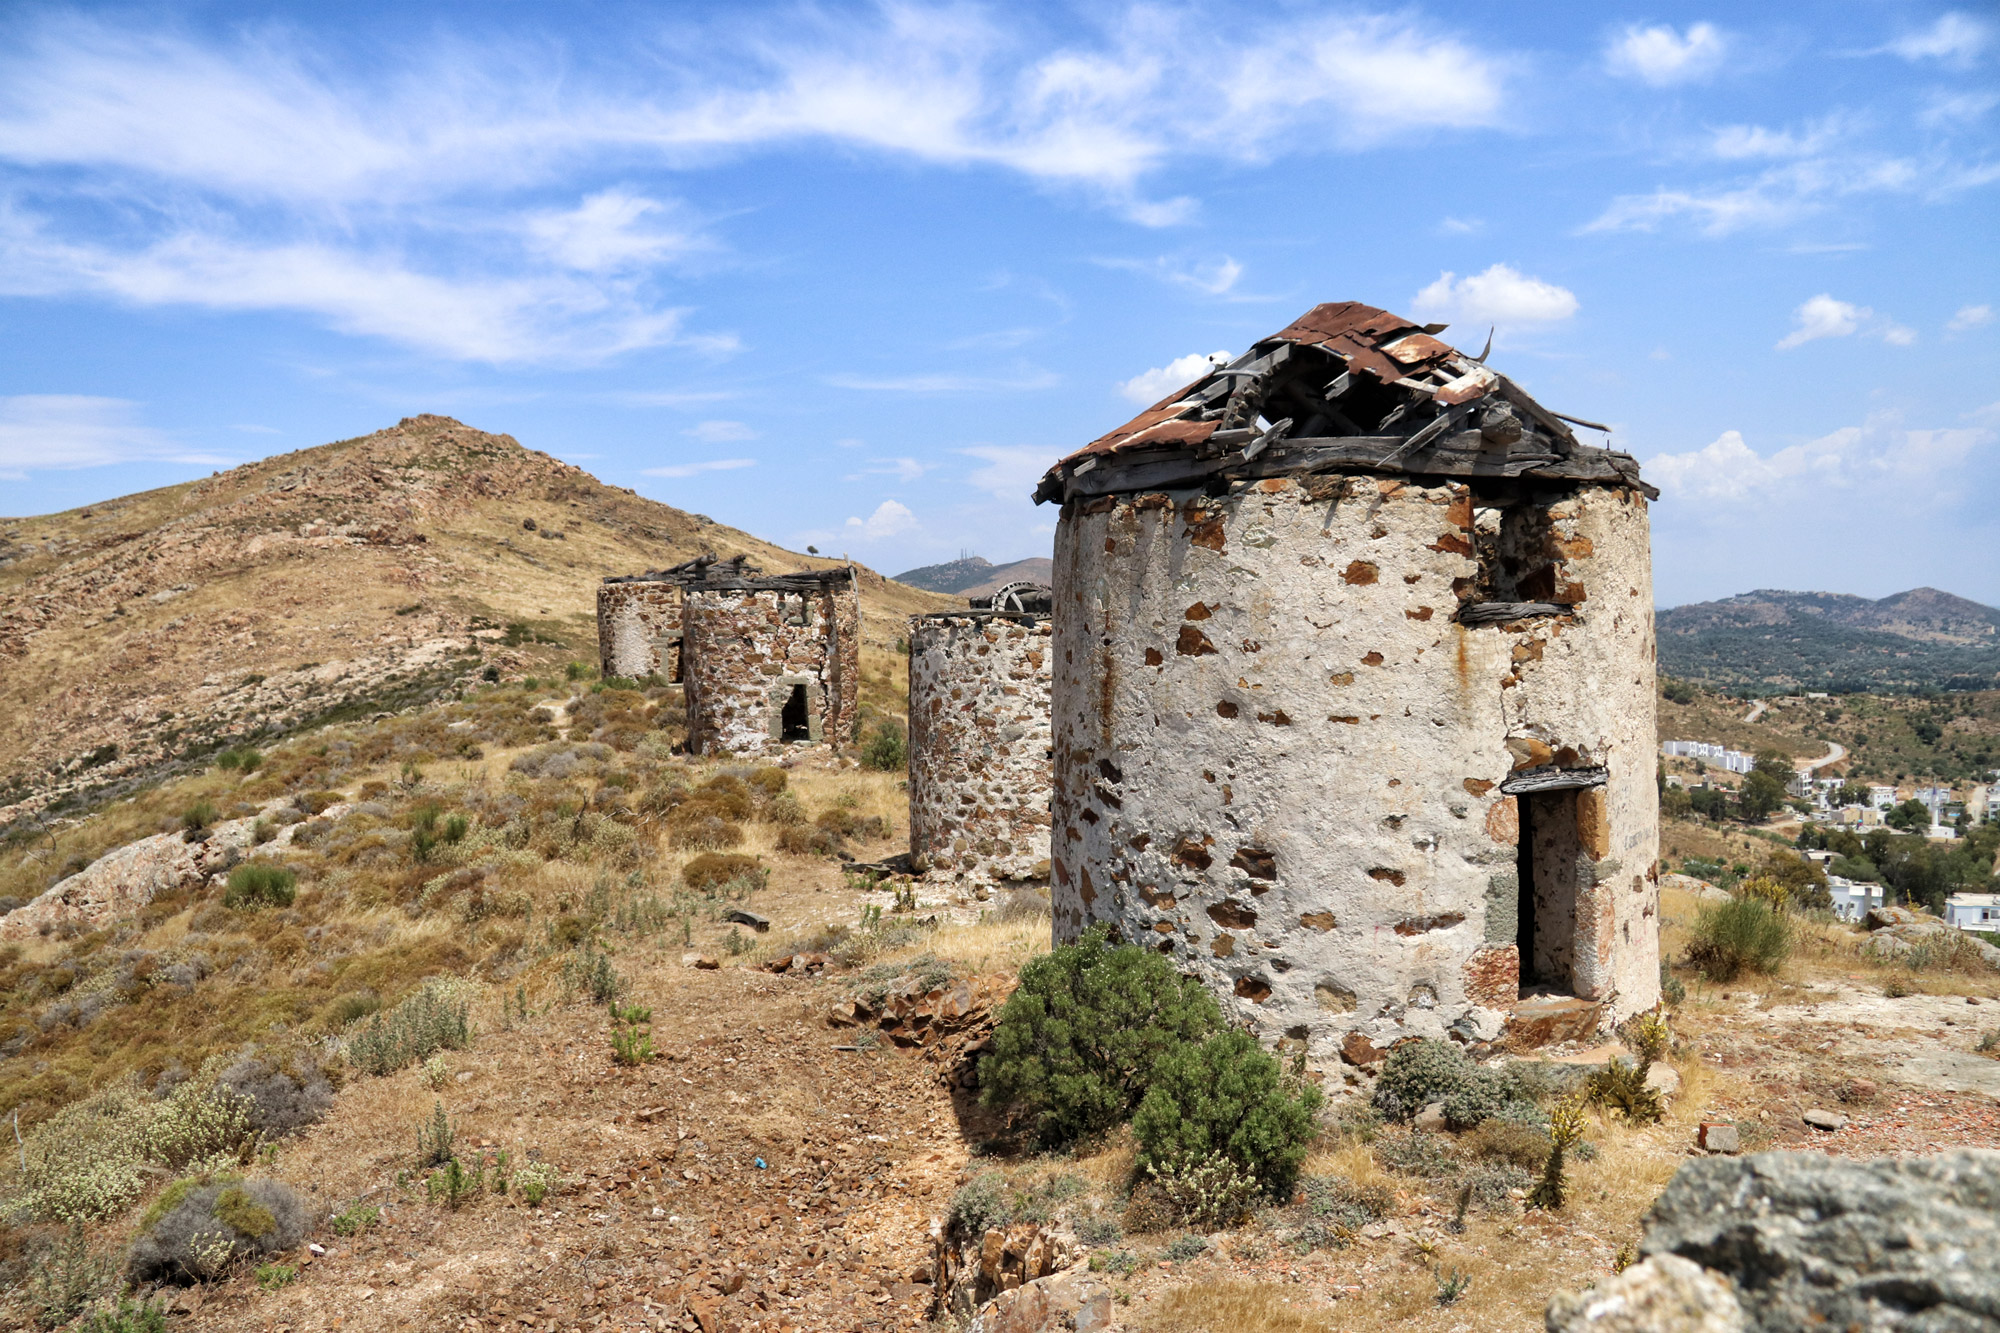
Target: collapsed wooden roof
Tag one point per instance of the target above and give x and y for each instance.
(707, 573)
(1343, 387)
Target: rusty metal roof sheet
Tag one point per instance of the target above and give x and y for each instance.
(1367, 387)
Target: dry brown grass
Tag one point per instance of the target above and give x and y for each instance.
(1231, 1306)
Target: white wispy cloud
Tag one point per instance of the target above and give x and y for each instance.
(1878, 457)
(1500, 295)
(890, 519)
(1824, 317)
(1969, 317)
(1660, 56)
(717, 432)
(696, 469)
(1011, 471)
(1740, 142)
(902, 469)
(1788, 192)
(1149, 386)
(63, 431)
(1462, 226)
(946, 383)
(405, 194)
(613, 231)
(529, 316)
(1215, 277)
(1955, 38)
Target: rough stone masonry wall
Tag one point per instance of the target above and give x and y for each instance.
(638, 629)
(743, 651)
(1278, 758)
(979, 746)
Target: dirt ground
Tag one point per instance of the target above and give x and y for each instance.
(758, 1176)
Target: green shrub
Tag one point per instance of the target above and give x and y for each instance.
(452, 1185)
(885, 750)
(981, 1205)
(260, 884)
(1743, 934)
(589, 973)
(272, 1277)
(1226, 1097)
(69, 1276)
(355, 1219)
(711, 870)
(434, 1137)
(199, 816)
(1672, 989)
(631, 1034)
(1209, 1193)
(215, 1226)
(1078, 1040)
(1418, 1073)
(127, 1316)
(435, 1017)
(1185, 1247)
(535, 1181)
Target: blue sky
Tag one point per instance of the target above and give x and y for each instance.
(854, 275)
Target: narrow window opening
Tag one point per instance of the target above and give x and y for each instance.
(673, 663)
(1548, 863)
(794, 723)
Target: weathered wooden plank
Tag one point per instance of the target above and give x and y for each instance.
(1496, 613)
(1550, 778)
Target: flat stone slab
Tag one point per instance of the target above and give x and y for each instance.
(1545, 1020)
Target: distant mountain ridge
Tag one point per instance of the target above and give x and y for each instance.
(975, 576)
(1916, 640)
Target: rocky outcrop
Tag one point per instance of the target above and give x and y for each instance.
(951, 1024)
(118, 884)
(1664, 1294)
(1067, 1301)
(1895, 931)
(972, 1269)
(1806, 1241)
(1700, 888)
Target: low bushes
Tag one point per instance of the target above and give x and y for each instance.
(1420, 1073)
(885, 750)
(206, 1227)
(1226, 1099)
(1078, 1040)
(260, 884)
(711, 870)
(1745, 934)
(433, 1018)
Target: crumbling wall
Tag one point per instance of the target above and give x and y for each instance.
(744, 652)
(1278, 758)
(979, 745)
(639, 629)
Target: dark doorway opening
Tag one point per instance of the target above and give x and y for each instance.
(1548, 861)
(795, 723)
(674, 662)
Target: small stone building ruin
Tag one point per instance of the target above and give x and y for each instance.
(979, 738)
(764, 660)
(1354, 695)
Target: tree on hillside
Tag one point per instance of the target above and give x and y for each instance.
(1912, 816)
(1775, 764)
(1761, 794)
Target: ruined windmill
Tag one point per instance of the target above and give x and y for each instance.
(766, 660)
(1353, 695)
(979, 738)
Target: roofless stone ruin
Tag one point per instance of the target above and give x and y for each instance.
(979, 738)
(1353, 695)
(766, 660)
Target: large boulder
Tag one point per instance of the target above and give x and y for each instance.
(117, 884)
(1700, 888)
(1889, 915)
(1821, 1242)
(1664, 1294)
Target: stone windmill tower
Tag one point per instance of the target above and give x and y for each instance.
(1353, 695)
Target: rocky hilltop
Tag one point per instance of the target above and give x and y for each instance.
(355, 576)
